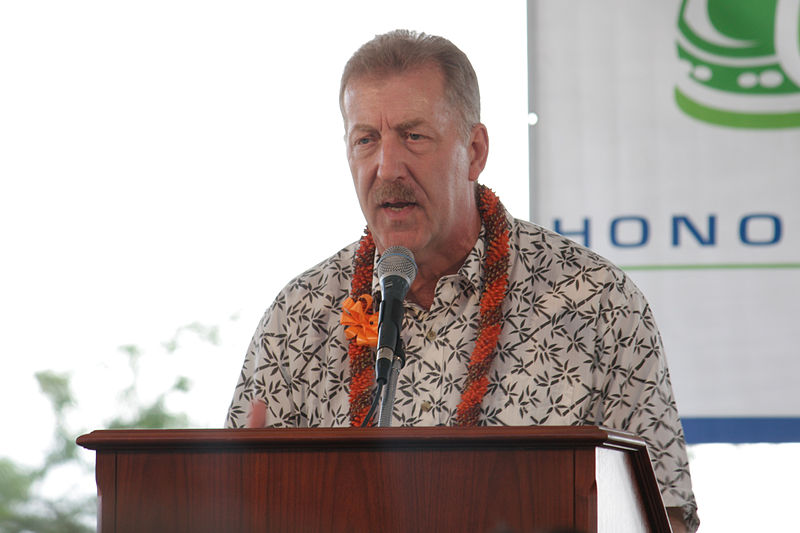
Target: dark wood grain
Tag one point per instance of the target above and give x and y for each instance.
(585, 490)
(106, 476)
(344, 480)
(449, 437)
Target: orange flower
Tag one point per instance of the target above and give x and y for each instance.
(360, 323)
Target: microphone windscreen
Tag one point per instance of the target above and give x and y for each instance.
(398, 260)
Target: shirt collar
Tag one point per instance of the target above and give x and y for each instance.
(471, 270)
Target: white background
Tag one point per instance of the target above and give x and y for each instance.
(168, 162)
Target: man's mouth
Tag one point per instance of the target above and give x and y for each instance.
(397, 206)
(395, 197)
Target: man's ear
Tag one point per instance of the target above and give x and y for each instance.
(478, 150)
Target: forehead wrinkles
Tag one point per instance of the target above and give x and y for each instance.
(393, 114)
(432, 123)
(395, 99)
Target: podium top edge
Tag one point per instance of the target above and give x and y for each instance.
(400, 437)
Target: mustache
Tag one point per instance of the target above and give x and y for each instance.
(394, 192)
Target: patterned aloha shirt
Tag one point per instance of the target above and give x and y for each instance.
(579, 346)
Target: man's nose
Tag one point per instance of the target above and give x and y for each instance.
(391, 159)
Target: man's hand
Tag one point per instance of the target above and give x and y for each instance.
(257, 417)
(675, 515)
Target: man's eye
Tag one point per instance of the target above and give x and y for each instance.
(415, 136)
(363, 140)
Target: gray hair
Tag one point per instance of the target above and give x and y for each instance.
(402, 50)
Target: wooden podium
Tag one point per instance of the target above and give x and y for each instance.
(433, 479)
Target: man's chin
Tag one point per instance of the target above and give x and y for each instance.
(387, 239)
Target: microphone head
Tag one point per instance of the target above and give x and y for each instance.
(398, 261)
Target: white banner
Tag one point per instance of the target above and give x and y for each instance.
(668, 139)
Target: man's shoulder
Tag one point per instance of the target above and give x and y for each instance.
(330, 275)
(309, 306)
(547, 255)
(551, 247)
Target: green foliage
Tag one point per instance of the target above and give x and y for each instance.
(209, 334)
(23, 509)
(15, 484)
(56, 388)
(153, 416)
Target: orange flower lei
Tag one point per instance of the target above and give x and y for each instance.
(495, 268)
(360, 325)
(362, 373)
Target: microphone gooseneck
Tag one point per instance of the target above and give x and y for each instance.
(396, 272)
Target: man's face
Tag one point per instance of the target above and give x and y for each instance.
(412, 167)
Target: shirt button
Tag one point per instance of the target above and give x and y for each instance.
(425, 406)
(431, 335)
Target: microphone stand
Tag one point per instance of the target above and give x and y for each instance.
(387, 401)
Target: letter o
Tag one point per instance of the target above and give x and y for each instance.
(644, 235)
(744, 224)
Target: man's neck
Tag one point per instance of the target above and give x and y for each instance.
(432, 269)
(423, 289)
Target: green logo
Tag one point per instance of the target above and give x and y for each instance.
(741, 62)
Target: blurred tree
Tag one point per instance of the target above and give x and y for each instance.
(23, 507)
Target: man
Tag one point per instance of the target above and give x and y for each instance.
(505, 323)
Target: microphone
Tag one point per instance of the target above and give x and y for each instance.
(396, 272)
